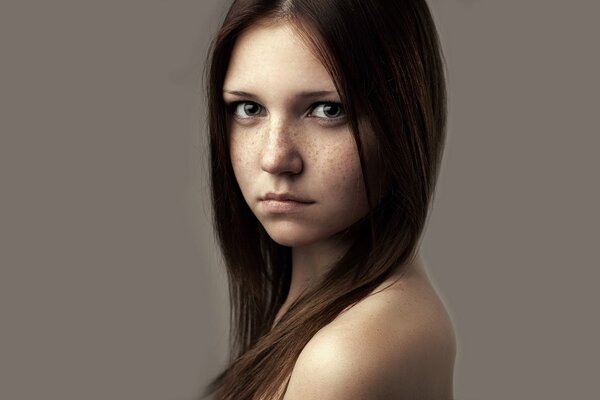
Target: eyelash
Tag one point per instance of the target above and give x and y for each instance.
(232, 107)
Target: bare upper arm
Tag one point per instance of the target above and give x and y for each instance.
(372, 361)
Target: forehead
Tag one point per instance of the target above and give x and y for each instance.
(273, 55)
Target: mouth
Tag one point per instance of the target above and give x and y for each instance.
(283, 203)
(285, 197)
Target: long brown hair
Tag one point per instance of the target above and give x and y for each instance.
(385, 60)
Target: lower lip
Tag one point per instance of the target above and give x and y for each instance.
(283, 206)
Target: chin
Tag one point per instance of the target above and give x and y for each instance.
(290, 234)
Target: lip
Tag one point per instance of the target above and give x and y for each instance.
(280, 203)
(285, 197)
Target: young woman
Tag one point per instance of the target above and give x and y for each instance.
(326, 127)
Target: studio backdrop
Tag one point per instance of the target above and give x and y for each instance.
(111, 285)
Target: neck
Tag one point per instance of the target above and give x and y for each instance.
(310, 263)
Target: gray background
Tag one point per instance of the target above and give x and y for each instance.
(110, 283)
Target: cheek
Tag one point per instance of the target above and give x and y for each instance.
(240, 153)
(340, 170)
(241, 169)
(235, 149)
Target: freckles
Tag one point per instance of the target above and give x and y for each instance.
(341, 168)
(311, 150)
(241, 149)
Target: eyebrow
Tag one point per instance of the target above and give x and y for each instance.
(302, 95)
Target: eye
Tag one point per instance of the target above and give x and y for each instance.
(246, 109)
(328, 111)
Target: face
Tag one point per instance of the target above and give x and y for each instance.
(292, 151)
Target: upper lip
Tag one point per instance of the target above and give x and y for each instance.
(285, 197)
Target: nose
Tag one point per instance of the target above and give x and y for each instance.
(281, 153)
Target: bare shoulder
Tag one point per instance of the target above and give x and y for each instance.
(398, 343)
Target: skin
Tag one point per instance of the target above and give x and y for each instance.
(397, 343)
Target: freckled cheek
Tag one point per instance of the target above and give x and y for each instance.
(340, 170)
(241, 152)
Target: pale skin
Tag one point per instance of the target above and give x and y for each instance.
(289, 135)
